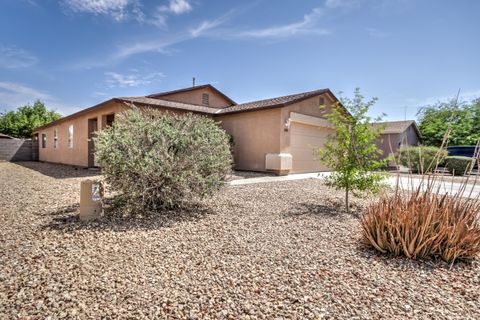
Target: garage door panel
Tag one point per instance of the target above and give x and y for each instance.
(305, 140)
(304, 154)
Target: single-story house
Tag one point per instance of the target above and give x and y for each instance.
(397, 134)
(276, 135)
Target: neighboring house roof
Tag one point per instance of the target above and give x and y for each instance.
(155, 101)
(161, 94)
(393, 127)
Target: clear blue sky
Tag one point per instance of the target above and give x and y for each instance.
(73, 54)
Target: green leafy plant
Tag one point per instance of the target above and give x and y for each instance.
(421, 159)
(351, 152)
(160, 160)
(463, 120)
(424, 224)
(24, 120)
(458, 165)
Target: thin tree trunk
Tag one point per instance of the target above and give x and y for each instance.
(347, 206)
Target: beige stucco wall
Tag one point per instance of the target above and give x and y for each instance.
(255, 134)
(391, 142)
(195, 97)
(310, 107)
(78, 155)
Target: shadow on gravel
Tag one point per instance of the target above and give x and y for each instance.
(402, 263)
(314, 209)
(59, 171)
(67, 219)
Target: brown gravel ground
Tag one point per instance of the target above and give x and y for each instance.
(266, 251)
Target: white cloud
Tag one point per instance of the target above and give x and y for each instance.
(134, 79)
(12, 57)
(117, 9)
(160, 14)
(13, 95)
(177, 7)
(308, 25)
(342, 3)
(208, 25)
(464, 96)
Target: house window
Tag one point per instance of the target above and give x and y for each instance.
(205, 99)
(44, 140)
(70, 136)
(110, 118)
(55, 138)
(321, 101)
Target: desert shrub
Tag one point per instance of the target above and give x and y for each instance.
(458, 165)
(421, 159)
(423, 224)
(159, 160)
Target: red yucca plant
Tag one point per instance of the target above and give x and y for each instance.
(424, 223)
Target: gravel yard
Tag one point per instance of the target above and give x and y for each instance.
(262, 251)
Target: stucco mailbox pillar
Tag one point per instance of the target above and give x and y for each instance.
(91, 192)
(279, 163)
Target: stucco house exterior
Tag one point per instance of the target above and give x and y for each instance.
(397, 134)
(277, 135)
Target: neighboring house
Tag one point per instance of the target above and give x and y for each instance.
(396, 134)
(277, 135)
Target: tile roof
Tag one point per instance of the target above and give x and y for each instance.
(153, 102)
(395, 126)
(161, 94)
(249, 106)
(273, 102)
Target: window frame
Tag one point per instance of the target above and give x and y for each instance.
(44, 140)
(206, 99)
(55, 138)
(70, 130)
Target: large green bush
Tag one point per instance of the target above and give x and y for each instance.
(421, 159)
(458, 165)
(161, 160)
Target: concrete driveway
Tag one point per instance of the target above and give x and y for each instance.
(442, 187)
(406, 183)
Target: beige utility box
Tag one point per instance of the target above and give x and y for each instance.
(279, 163)
(91, 192)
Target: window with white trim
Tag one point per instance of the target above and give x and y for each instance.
(55, 138)
(70, 136)
(44, 140)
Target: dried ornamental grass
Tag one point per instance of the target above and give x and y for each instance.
(424, 224)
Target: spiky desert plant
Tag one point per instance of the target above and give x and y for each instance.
(429, 222)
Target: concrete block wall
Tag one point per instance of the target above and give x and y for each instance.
(16, 150)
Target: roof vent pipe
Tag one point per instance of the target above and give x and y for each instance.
(193, 82)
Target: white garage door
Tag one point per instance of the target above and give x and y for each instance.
(305, 140)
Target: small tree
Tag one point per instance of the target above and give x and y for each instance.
(157, 160)
(462, 120)
(351, 152)
(24, 120)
